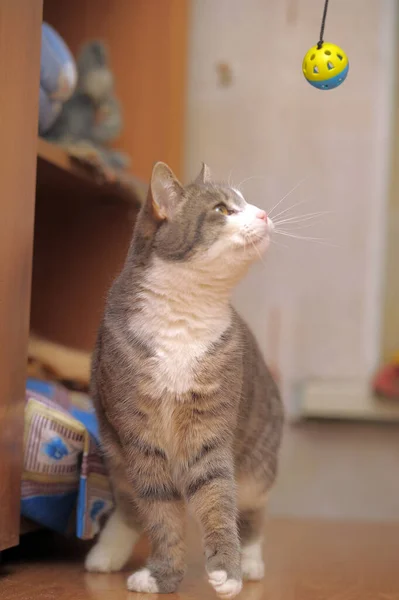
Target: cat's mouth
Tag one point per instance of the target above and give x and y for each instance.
(260, 238)
(259, 242)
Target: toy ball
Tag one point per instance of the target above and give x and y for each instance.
(326, 67)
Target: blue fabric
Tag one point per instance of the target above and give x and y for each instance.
(64, 480)
(55, 448)
(40, 387)
(81, 508)
(53, 511)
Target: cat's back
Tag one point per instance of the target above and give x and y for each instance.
(259, 389)
(261, 412)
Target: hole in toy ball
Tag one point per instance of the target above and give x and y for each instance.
(324, 86)
(328, 52)
(340, 57)
(315, 69)
(313, 57)
(330, 65)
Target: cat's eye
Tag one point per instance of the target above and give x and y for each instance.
(222, 208)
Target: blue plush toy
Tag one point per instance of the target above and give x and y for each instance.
(92, 118)
(58, 77)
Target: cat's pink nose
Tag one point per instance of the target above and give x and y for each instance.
(261, 214)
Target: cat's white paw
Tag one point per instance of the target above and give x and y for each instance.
(225, 588)
(252, 569)
(142, 581)
(252, 565)
(114, 546)
(103, 558)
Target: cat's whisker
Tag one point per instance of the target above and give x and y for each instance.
(299, 224)
(321, 241)
(245, 245)
(258, 253)
(281, 231)
(291, 207)
(248, 179)
(287, 194)
(273, 241)
(301, 218)
(306, 226)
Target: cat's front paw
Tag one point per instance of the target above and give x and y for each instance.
(142, 581)
(224, 586)
(156, 578)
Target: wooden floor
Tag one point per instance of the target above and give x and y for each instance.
(306, 560)
(333, 470)
(339, 487)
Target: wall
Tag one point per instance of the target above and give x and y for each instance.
(390, 335)
(315, 308)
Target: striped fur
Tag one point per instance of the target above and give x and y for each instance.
(189, 413)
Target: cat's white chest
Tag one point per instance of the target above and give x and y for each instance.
(174, 366)
(177, 349)
(179, 325)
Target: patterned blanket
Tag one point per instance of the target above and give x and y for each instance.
(64, 482)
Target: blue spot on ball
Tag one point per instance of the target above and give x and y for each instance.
(333, 82)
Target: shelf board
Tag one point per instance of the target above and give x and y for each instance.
(56, 169)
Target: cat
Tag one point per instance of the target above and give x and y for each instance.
(189, 414)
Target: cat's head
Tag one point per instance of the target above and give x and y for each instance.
(206, 223)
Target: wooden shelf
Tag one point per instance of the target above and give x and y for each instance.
(84, 224)
(56, 168)
(147, 42)
(58, 157)
(83, 228)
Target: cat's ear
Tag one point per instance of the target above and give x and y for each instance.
(165, 191)
(205, 174)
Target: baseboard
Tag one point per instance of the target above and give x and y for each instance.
(344, 400)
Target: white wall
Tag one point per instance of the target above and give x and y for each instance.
(315, 309)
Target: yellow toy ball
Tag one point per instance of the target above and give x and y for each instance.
(325, 67)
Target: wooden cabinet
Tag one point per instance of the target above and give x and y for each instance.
(147, 44)
(81, 231)
(19, 75)
(81, 238)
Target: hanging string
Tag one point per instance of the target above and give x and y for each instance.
(323, 23)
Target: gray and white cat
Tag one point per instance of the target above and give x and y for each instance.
(189, 413)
